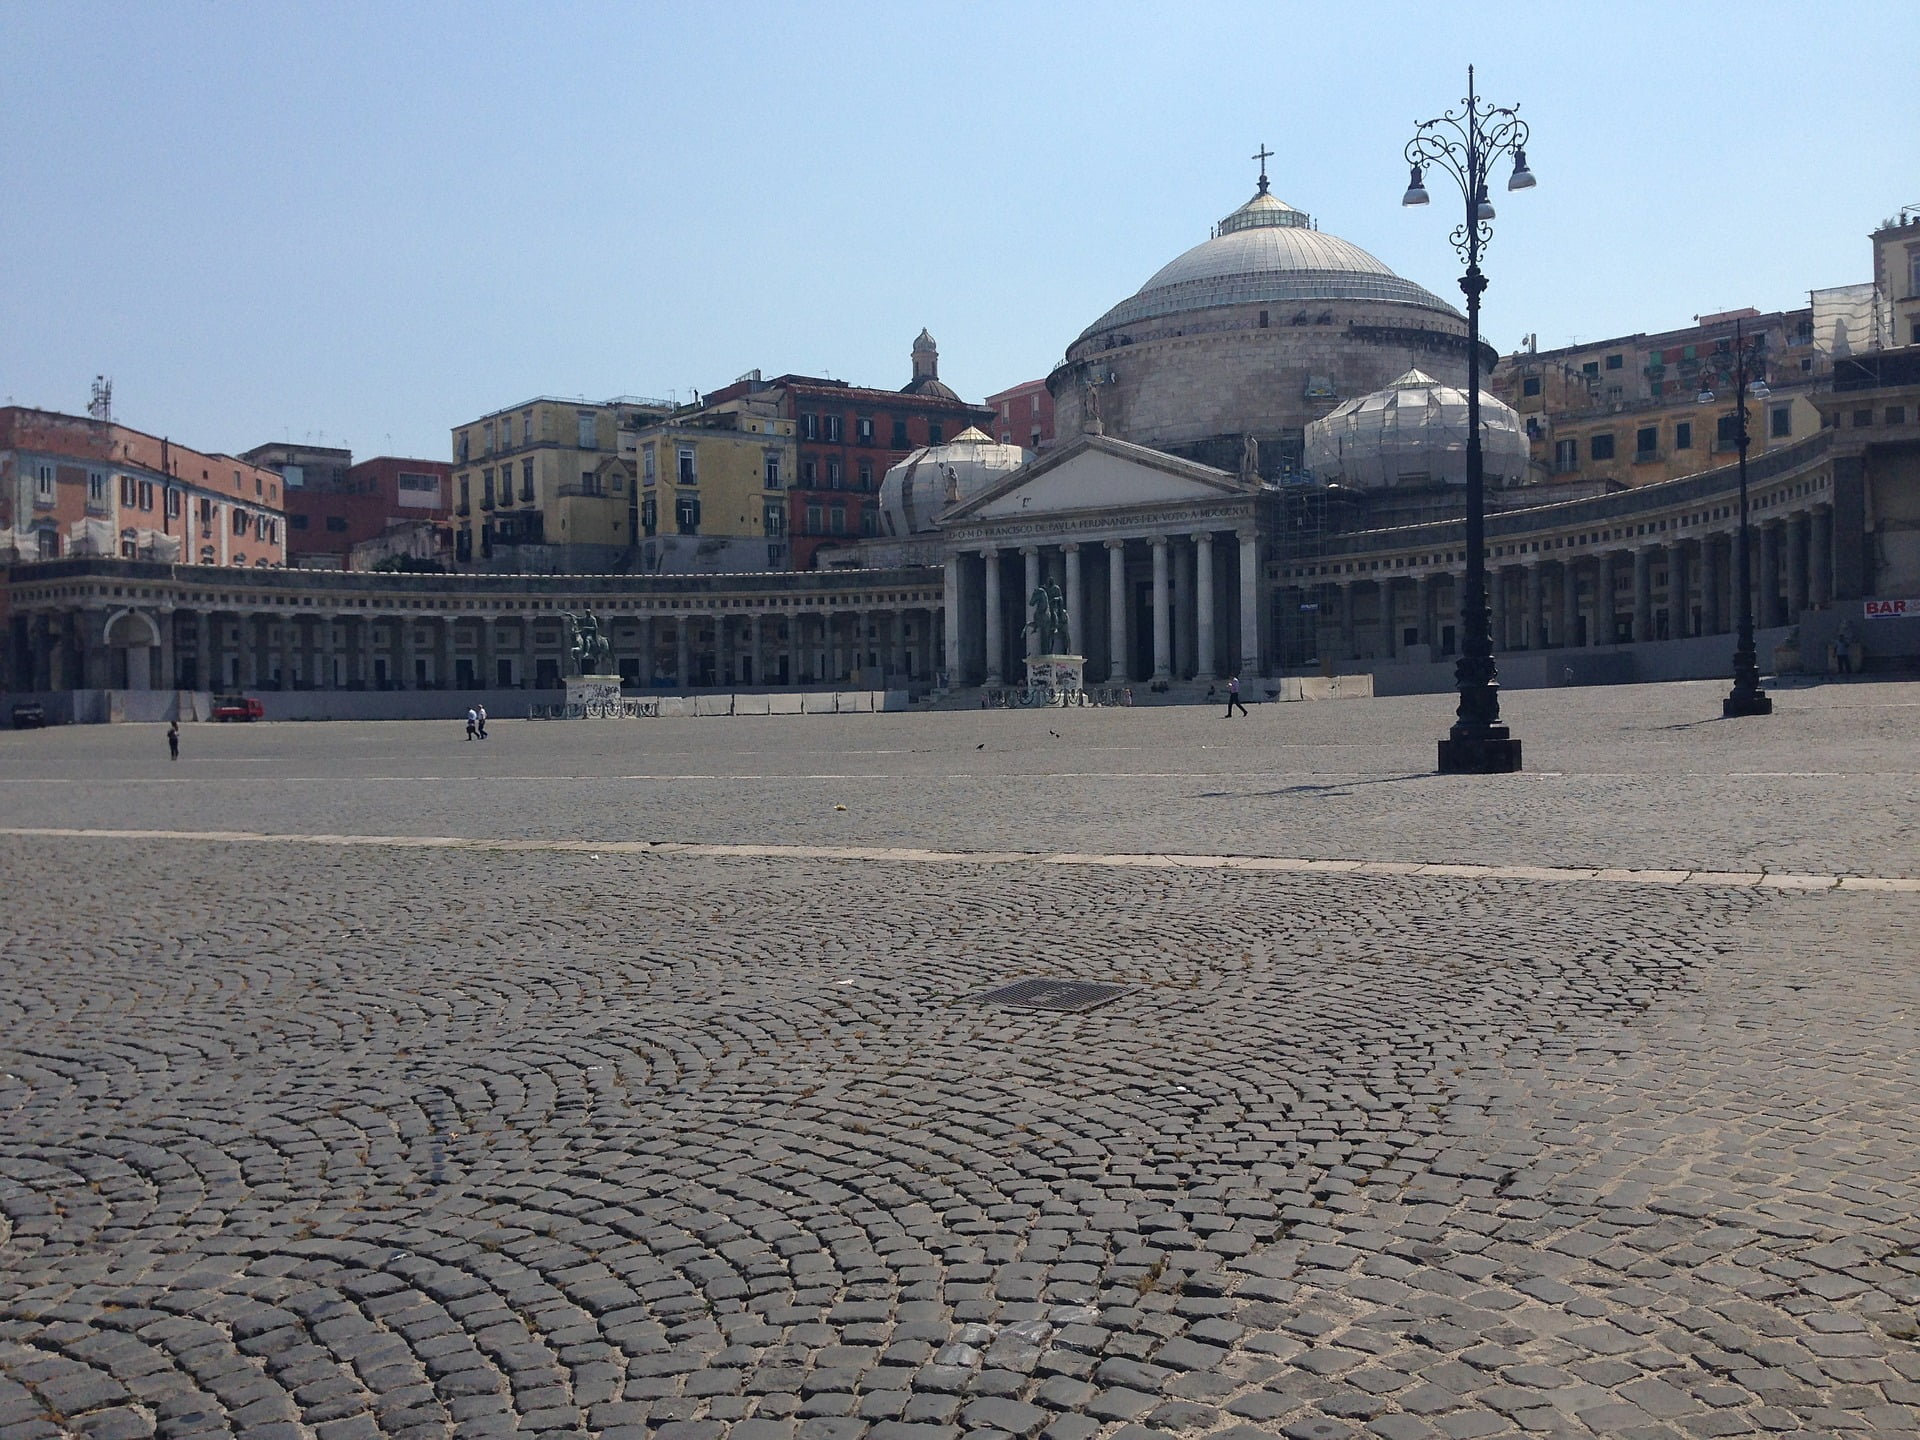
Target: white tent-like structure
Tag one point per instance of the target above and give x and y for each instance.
(1414, 432)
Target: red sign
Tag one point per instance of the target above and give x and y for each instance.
(1892, 609)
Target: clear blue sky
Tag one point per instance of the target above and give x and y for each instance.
(373, 222)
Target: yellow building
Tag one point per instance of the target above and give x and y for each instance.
(544, 485)
(711, 489)
(1896, 275)
(1644, 408)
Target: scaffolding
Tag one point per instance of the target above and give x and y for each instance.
(1308, 515)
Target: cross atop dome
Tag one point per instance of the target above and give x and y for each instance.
(1263, 154)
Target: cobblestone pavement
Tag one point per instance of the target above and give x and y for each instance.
(1625, 776)
(324, 1140)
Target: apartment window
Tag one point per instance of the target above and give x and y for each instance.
(259, 486)
(1913, 270)
(1600, 447)
(1683, 435)
(815, 519)
(773, 518)
(486, 489)
(206, 511)
(899, 434)
(646, 465)
(649, 515)
(526, 428)
(686, 514)
(830, 428)
(337, 524)
(173, 503)
(1646, 442)
(127, 492)
(146, 494)
(526, 480)
(869, 520)
(1566, 455)
(296, 522)
(1896, 415)
(863, 430)
(1914, 338)
(1726, 434)
(1862, 417)
(1592, 367)
(1530, 385)
(43, 483)
(1780, 421)
(807, 472)
(464, 483)
(837, 519)
(461, 450)
(866, 474)
(770, 470)
(96, 489)
(685, 470)
(1614, 362)
(589, 483)
(586, 430)
(486, 431)
(239, 521)
(833, 472)
(810, 427)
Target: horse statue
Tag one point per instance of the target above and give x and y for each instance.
(1051, 631)
(586, 646)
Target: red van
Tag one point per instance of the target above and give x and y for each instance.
(238, 707)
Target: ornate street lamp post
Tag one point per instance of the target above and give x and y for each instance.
(1746, 697)
(1465, 143)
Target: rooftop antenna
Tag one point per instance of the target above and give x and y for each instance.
(100, 407)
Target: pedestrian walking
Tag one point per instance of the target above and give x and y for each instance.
(1233, 697)
(473, 722)
(481, 713)
(173, 740)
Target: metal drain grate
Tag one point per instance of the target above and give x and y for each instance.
(1053, 994)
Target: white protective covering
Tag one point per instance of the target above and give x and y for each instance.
(937, 476)
(1414, 432)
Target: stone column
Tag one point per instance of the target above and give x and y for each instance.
(1820, 558)
(680, 646)
(1182, 617)
(1427, 592)
(323, 641)
(483, 654)
(1766, 609)
(290, 639)
(1249, 604)
(1643, 593)
(1203, 606)
(1798, 526)
(1388, 638)
(1076, 607)
(409, 652)
(950, 652)
(1679, 612)
(1710, 623)
(1162, 629)
(443, 653)
(996, 620)
(1031, 554)
(1119, 664)
(530, 661)
(1569, 603)
(202, 651)
(1348, 642)
(1536, 606)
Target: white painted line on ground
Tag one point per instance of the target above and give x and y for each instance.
(1551, 874)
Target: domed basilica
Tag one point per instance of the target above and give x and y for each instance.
(1250, 336)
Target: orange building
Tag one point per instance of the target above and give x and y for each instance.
(76, 485)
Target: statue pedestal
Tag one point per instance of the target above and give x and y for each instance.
(593, 697)
(1060, 673)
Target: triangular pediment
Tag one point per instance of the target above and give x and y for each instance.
(1095, 472)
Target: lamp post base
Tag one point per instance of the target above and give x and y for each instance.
(1494, 753)
(1749, 702)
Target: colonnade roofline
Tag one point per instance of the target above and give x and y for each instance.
(1619, 505)
(226, 584)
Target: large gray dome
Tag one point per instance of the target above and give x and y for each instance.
(1265, 251)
